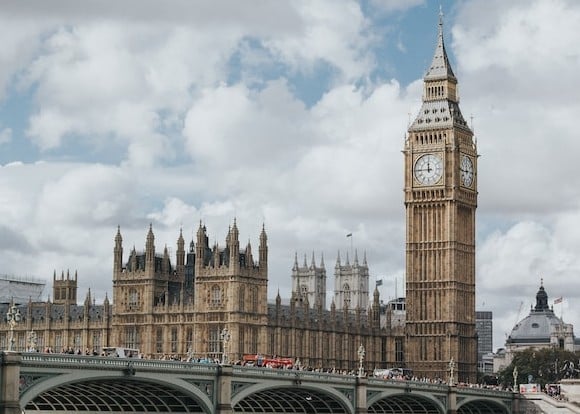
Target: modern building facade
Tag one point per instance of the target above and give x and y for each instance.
(440, 200)
(484, 329)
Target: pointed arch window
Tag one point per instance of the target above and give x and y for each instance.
(346, 294)
(216, 296)
(303, 291)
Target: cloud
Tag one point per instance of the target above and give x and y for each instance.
(517, 72)
(5, 135)
(197, 112)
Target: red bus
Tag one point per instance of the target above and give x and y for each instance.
(258, 360)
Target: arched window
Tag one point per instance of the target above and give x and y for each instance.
(255, 299)
(346, 295)
(241, 294)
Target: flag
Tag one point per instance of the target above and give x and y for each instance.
(558, 300)
(380, 282)
(349, 235)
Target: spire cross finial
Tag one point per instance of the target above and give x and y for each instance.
(440, 15)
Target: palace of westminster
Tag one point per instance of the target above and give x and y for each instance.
(186, 307)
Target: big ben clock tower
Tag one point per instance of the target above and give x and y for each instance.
(440, 201)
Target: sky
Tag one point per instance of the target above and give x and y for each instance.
(288, 114)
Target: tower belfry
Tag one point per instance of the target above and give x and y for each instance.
(440, 202)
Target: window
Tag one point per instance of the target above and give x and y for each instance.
(346, 293)
(216, 296)
(133, 299)
(174, 340)
(97, 341)
(77, 340)
(255, 299)
(189, 340)
(131, 336)
(241, 294)
(159, 341)
(57, 342)
(215, 349)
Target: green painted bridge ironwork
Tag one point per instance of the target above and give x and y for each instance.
(56, 383)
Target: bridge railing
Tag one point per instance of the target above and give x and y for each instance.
(293, 374)
(34, 359)
(413, 385)
(483, 391)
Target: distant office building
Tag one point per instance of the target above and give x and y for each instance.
(484, 329)
(20, 289)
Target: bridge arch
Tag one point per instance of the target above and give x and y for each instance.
(95, 393)
(291, 398)
(415, 402)
(481, 406)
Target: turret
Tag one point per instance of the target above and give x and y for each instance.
(249, 257)
(264, 252)
(64, 290)
(118, 252)
(234, 247)
(150, 251)
(166, 266)
(200, 246)
(180, 256)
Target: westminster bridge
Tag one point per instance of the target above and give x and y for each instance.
(55, 383)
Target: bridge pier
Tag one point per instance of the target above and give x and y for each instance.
(224, 391)
(10, 383)
(452, 400)
(361, 396)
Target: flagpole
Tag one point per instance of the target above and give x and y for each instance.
(349, 235)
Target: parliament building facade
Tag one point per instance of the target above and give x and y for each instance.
(211, 302)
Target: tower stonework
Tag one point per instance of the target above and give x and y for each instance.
(351, 283)
(440, 201)
(309, 282)
(231, 290)
(64, 290)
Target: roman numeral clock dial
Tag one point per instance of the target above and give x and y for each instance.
(428, 169)
(466, 169)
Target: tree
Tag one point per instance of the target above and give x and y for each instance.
(540, 366)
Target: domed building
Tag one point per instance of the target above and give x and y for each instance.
(540, 329)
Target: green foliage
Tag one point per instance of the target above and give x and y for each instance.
(545, 366)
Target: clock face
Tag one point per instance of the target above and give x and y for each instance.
(428, 169)
(466, 169)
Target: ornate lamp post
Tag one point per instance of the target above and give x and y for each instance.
(361, 358)
(225, 337)
(515, 374)
(452, 372)
(32, 341)
(13, 317)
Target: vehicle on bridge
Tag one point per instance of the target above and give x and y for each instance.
(258, 360)
(120, 352)
(393, 373)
